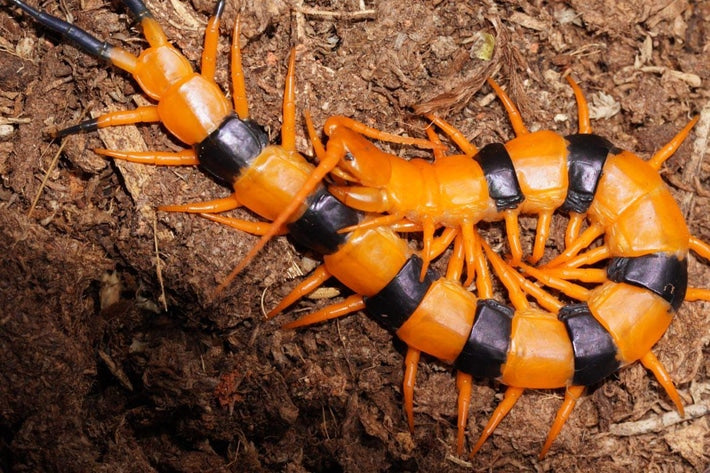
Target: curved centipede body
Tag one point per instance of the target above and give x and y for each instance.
(574, 345)
(398, 290)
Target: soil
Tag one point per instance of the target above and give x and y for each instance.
(96, 375)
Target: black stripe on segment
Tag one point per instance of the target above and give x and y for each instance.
(486, 349)
(318, 227)
(231, 148)
(398, 300)
(503, 185)
(79, 37)
(586, 155)
(594, 349)
(660, 273)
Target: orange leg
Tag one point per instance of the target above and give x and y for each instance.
(667, 151)
(209, 51)
(253, 228)
(454, 134)
(571, 395)
(697, 294)
(585, 126)
(589, 257)
(454, 269)
(587, 275)
(441, 243)
(428, 229)
(241, 103)
(434, 138)
(411, 360)
(158, 158)
(572, 290)
(512, 229)
(505, 274)
(513, 113)
(512, 395)
(348, 306)
(339, 121)
(652, 364)
(585, 239)
(288, 128)
(147, 114)
(308, 285)
(463, 384)
(573, 227)
(383, 221)
(517, 285)
(211, 206)
(700, 247)
(543, 232)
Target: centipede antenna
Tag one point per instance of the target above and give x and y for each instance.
(82, 38)
(76, 35)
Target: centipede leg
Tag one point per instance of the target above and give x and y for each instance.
(586, 275)
(454, 134)
(512, 394)
(585, 239)
(455, 266)
(463, 384)
(573, 227)
(351, 304)
(512, 230)
(569, 289)
(518, 286)
(428, 229)
(239, 90)
(652, 364)
(339, 121)
(411, 360)
(223, 204)
(572, 394)
(513, 113)
(305, 287)
(700, 247)
(587, 258)
(185, 157)
(209, 50)
(669, 148)
(253, 228)
(146, 114)
(585, 126)
(543, 232)
(505, 274)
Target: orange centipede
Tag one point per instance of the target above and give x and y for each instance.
(567, 345)
(433, 315)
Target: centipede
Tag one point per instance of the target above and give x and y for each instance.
(433, 315)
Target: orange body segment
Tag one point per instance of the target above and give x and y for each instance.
(441, 324)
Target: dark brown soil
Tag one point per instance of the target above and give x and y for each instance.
(97, 376)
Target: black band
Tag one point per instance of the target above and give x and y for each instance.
(586, 155)
(594, 349)
(660, 273)
(231, 148)
(398, 300)
(318, 227)
(487, 346)
(503, 185)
